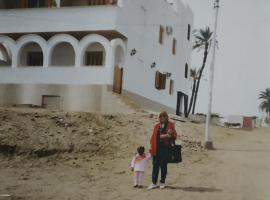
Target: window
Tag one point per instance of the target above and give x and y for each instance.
(36, 3)
(102, 2)
(94, 58)
(161, 34)
(34, 59)
(186, 70)
(171, 86)
(160, 81)
(188, 33)
(174, 46)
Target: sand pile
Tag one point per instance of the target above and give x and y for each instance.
(43, 133)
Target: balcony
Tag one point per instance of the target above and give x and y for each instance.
(63, 19)
(17, 4)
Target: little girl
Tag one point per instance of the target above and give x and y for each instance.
(138, 165)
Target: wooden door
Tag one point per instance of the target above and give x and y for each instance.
(117, 80)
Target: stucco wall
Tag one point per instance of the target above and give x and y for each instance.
(143, 36)
(138, 21)
(58, 19)
(86, 98)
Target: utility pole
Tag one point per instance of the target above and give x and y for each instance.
(208, 142)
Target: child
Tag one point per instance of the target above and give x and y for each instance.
(138, 165)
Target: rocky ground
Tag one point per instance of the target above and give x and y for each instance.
(58, 155)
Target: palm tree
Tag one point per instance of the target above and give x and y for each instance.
(265, 104)
(202, 41)
(194, 76)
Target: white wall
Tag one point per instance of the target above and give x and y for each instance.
(58, 19)
(56, 75)
(139, 21)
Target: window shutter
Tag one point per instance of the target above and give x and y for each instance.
(171, 87)
(160, 81)
(161, 34)
(174, 46)
(163, 81)
(157, 80)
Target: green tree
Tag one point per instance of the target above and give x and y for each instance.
(203, 38)
(265, 104)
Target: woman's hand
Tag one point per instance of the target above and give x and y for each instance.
(165, 136)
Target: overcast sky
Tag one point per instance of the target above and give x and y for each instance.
(243, 59)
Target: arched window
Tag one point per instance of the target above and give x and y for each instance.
(188, 32)
(186, 70)
(95, 55)
(63, 54)
(31, 55)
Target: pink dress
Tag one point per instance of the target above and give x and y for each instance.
(138, 163)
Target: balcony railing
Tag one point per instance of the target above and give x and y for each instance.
(16, 4)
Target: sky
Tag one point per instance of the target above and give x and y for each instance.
(242, 67)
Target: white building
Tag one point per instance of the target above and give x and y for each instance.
(70, 53)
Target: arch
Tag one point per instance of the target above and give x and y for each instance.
(63, 54)
(186, 70)
(31, 39)
(119, 50)
(31, 55)
(8, 45)
(119, 57)
(67, 41)
(91, 39)
(94, 55)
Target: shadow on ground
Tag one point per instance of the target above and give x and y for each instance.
(194, 189)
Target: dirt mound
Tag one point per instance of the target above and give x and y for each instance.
(43, 133)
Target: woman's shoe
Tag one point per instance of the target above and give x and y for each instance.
(152, 186)
(162, 186)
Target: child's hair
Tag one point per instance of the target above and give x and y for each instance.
(140, 150)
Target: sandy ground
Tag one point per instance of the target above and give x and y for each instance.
(56, 156)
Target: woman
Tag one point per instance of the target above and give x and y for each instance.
(164, 133)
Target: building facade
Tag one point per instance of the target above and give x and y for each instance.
(68, 54)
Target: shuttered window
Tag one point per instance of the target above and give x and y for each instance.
(160, 81)
(161, 34)
(174, 46)
(94, 58)
(102, 2)
(171, 87)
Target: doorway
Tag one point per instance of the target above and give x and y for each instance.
(117, 80)
(181, 104)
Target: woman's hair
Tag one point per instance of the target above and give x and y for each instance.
(163, 114)
(140, 150)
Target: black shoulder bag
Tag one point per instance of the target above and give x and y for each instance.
(175, 153)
